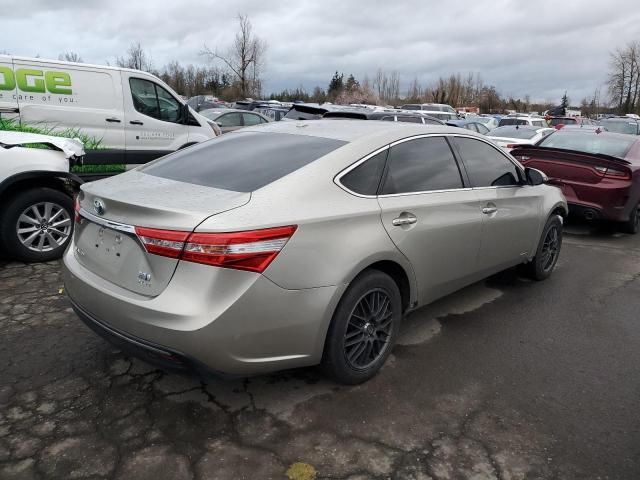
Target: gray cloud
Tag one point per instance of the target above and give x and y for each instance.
(537, 48)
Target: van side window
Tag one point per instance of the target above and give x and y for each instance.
(154, 101)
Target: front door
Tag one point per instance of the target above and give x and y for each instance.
(430, 215)
(153, 120)
(510, 209)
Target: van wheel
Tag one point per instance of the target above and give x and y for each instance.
(363, 329)
(542, 265)
(632, 225)
(36, 225)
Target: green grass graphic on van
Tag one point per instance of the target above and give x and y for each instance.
(90, 143)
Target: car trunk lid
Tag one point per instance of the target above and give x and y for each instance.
(572, 166)
(105, 239)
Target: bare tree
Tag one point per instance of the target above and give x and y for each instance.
(245, 58)
(624, 78)
(70, 56)
(136, 58)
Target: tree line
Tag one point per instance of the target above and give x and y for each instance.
(237, 72)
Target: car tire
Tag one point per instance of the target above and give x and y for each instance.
(363, 329)
(37, 204)
(548, 251)
(632, 225)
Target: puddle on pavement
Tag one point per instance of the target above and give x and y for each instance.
(423, 324)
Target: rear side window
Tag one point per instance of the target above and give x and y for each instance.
(242, 162)
(365, 178)
(251, 119)
(421, 165)
(486, 166)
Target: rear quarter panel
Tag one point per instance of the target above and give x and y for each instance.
(338, 234)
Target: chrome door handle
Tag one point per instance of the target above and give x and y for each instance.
(489, 210)
(406, 220)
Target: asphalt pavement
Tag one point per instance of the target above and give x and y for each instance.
(506, 379)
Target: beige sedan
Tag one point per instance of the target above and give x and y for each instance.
(300, 243)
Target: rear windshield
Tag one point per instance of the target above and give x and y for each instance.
(513, 132)
(621, 126)
(242, 162)
(562, 121)
(301, 113)
(513, 121)
(589, 142)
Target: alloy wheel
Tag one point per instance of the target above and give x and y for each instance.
(44, 226)
(550, 248)
(369, 329)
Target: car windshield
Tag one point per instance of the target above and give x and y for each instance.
(621, 126)
(589, 142)
(513, 132)
(242, 162)
(411, 107)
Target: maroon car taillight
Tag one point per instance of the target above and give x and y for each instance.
(251, 250)
(608, 172)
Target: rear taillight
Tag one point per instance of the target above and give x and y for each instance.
(251, 250)
(608, 172)
(512, 145)
(76, 210)
(167, 243)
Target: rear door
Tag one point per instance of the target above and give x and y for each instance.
(430, 215)
(8, 93)
(511, 210)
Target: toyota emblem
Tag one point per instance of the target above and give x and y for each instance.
(98, 206)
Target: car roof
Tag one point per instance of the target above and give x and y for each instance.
(355, 130)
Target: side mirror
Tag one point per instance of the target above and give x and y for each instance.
(535, 177)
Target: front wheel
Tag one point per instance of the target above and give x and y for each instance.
(36, 224)
(542, 265)
(363, 329)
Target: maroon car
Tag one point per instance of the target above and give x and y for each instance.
(598, 172)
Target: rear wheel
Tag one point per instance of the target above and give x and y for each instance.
(36, 225)
(633, 224)
(363, 329)
(542, 265)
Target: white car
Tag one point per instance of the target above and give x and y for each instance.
(36, 194)
(522, 120)
(489, 122)
(512, 136)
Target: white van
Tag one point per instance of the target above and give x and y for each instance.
(125, 117)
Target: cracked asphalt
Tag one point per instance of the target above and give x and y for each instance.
(507, 379)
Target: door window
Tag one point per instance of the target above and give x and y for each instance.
(486, 166)
(229, 120)
(421, 165)
(251, 119)
(154, 101)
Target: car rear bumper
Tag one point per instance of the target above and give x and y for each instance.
(220, 320)
(602, 202)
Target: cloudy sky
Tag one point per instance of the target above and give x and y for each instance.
(538, 48)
